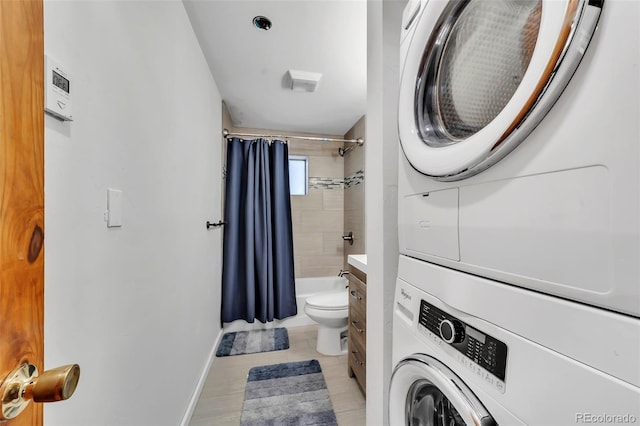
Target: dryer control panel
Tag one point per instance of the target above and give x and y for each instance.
(481, 349)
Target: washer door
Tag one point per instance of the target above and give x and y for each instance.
(480, 75)
(425, 392)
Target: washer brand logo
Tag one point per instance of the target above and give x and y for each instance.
(605, 418)
(405, 294)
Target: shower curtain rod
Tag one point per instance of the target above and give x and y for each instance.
(228, 134)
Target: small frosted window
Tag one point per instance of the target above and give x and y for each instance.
(298, 175)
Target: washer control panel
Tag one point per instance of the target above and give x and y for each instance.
(476, 347)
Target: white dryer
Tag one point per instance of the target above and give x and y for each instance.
(519, 123)
(463, 356)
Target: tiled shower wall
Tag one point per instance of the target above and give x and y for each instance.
(334, 203)
(318, 217)
(354, 218)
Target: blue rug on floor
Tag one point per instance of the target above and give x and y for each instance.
(251, 342)
(289, 394)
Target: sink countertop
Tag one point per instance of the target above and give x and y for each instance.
(358, 261)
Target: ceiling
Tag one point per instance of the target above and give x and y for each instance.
(250, 65)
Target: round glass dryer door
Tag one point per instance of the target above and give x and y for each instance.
(480, 75)
(424, 392)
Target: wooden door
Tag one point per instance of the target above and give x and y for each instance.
(22, 191)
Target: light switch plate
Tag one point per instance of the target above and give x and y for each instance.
(114, 208)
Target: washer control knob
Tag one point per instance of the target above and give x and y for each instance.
(451, 331)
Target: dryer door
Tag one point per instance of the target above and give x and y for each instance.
(425, 392)
(480, 75)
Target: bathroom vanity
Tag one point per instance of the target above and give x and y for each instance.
(357, 342)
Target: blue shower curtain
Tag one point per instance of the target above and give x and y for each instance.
(258, 279)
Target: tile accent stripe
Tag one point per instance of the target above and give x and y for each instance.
(336, 183)
(355, 179)
(325, 183)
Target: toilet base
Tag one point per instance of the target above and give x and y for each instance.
(330, 341)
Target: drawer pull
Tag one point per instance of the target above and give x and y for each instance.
(355, 359)
(355, 325)
(355, 295)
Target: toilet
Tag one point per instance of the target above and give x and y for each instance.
(331, 312)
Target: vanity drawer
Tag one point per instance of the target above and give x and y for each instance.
(358, 330)
(358, 363)
(357, 293)
(358, 323)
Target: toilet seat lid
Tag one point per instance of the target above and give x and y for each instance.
(329, 301)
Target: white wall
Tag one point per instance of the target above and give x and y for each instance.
(381, 197)
(137, 307)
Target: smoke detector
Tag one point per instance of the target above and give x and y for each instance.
(304, 81)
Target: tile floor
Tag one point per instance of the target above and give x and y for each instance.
(220, 402)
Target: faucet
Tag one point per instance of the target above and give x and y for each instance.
(342, 273)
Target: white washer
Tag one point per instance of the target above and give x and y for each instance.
(515, 357)
(519, 121)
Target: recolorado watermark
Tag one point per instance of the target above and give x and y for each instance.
(605, 418)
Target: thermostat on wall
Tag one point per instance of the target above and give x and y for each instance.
(57, 93)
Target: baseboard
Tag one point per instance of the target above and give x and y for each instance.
(203, 378)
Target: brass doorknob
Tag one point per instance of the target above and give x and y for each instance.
(23, 385)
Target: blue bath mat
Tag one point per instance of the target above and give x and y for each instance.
(289, 394)
(251, 342)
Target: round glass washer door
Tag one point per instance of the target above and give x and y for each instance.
(424, 392)
(480, 75)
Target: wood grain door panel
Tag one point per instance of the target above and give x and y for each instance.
(22, 191)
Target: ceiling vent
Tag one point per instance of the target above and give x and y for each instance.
(304, 81)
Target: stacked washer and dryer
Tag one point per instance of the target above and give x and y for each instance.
(518, 291)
